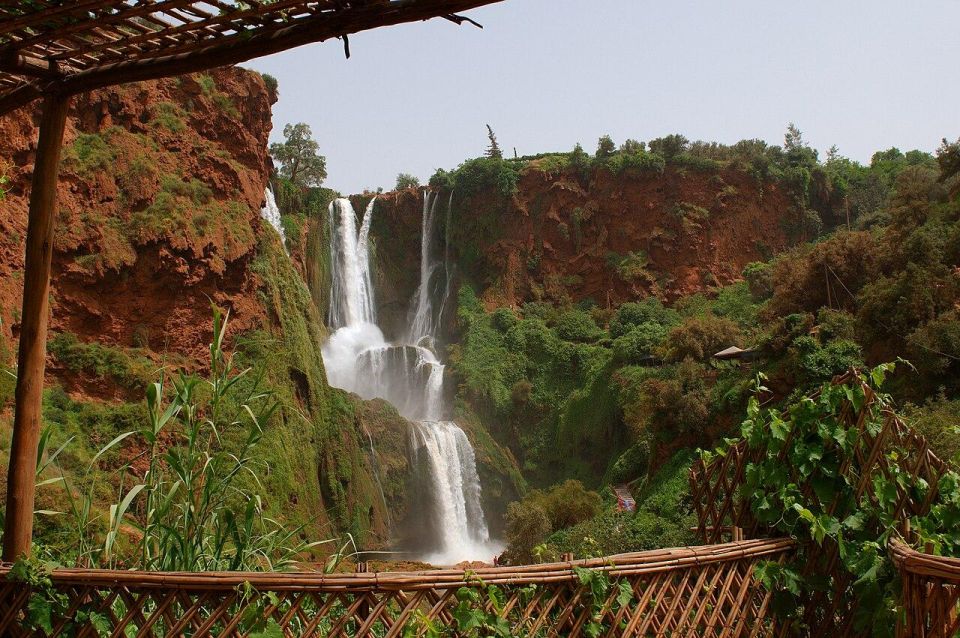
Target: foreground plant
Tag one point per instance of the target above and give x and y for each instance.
(198, 507)
(813, 477)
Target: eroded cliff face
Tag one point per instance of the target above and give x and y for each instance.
(565, 237)
(160, 189)
(159, 200)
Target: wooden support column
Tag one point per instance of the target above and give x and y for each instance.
(31, 357)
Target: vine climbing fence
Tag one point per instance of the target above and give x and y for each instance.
(888, 456)
(696, 591)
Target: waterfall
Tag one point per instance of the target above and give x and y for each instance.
(271, 214)
(422, 320)
(411, 377)
(351, 295)
(447, 269)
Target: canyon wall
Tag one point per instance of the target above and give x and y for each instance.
(158, 217)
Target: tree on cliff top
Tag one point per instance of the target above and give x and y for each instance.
(405, 181)
(298, 157)
(493, 150)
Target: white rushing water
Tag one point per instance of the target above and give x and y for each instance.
(271, 214)
(410, 376)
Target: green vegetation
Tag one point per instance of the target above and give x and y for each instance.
(199, 505)
(828, 454)
(170, 116)
(405, 181)
(130, 369)
(298, 157)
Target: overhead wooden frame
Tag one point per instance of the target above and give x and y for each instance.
(53, 49)
(79, 45)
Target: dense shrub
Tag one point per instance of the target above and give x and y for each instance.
(700, 337)
(503, 319)
(527, 524)
(759, 279)
(541, 512)
(649, 310)
(662, 519)
(639, 343)
(821, 362)
(577, 325)
(638, 161)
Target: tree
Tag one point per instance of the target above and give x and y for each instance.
(405, 181)
(493, 151)
(605, 147)
(948, 157)
(632, 146)
(669, 146)
(298, 157)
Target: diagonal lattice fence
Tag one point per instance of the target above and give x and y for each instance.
(720, 504)
(698, 591)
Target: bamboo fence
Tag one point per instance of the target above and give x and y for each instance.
(930, 591)
(720, 505)
(685, 592)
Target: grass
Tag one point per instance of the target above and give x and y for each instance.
(127, 368)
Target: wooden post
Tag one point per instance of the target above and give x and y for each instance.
(31, 357)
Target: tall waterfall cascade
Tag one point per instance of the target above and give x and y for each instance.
(410, 375)
(271, 214)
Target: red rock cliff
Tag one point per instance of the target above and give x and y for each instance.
(158, 210)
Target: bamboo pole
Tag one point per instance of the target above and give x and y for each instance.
(31, 358)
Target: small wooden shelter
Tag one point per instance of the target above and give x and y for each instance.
(54, 49)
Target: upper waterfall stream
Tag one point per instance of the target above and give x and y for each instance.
(410, 375)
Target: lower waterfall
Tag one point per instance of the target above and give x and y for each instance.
(446, 502)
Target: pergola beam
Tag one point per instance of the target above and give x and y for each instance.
(32, 353)
(188, 57)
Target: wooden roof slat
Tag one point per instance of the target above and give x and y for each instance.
(266, 12)
(86, 44)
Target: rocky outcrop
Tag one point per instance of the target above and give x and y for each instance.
(158, 209)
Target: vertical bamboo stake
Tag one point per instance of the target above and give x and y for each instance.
(31, 357)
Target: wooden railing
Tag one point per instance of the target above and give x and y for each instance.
(930, 594)
(706, 591)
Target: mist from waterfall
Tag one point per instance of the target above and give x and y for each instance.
(409, 375)
(271, 214)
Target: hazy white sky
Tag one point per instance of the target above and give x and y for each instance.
(546, 74)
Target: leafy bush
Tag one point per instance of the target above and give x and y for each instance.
(475, 175)
(270, 82)
(503, 319)
(825, 452)
(532, 519)
(638, 344)
(638, 161)
(169, 116)
(662, 519)
(819, 363)
(90, 153)
(669, 147)
(527, 524)
(605, 147)
(700, 337)
(130, 370)
(577, 325)
(632, 464)
(632, 314)
(759, 279)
